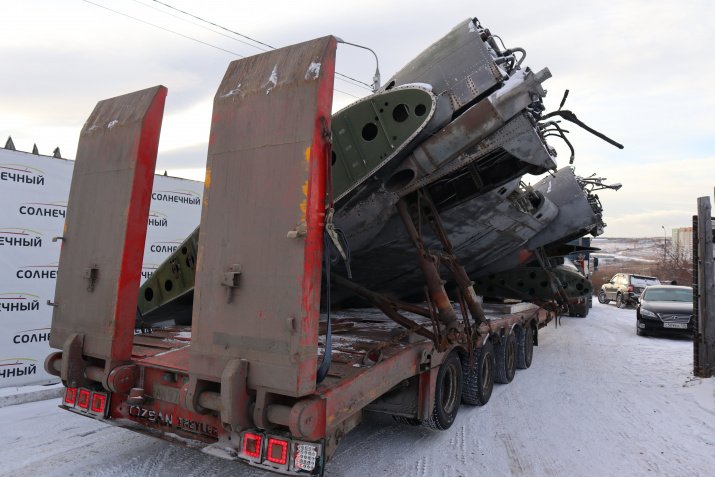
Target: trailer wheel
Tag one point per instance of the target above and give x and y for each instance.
(505, 359)
(447, 394)
(479, 377)
(525, 347)
(580, 310)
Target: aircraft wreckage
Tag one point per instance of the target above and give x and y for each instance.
(429, 193)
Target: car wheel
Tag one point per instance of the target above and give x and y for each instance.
(602, 298)
(619, 301)
(639, 331)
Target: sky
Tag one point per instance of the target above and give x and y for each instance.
(640, 71)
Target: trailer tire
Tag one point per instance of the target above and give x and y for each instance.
(578, 310)
(447, 394)
(505, 359)
(525, 347)
(479, 377)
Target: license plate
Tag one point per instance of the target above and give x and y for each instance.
(675, 325)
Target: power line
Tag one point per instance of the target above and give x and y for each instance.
(178, 17)
(164, 29)
(214, 24)
(187, 37)
(359, 83)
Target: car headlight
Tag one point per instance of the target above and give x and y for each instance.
(648, 313)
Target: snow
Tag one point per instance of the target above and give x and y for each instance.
(272, 80)
(424, 86)
(614, 250)
(14, 395)
(597, 400)
(232, 92)
(313, 70)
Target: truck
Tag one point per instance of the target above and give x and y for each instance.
(268, 373)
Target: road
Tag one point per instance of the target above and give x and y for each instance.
(597, 400)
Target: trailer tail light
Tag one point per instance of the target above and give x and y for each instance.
(83, 399)
(252, 445)
(99, 403)
(277, 451)
(70, 396)
(88, 402)
(305, 456)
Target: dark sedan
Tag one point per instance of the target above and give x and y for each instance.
(665, 308)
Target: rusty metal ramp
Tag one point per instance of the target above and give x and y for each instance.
(102, 246)
(257, 292)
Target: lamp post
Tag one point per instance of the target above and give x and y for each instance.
(664, 240)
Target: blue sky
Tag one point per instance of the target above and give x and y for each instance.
(639, 71)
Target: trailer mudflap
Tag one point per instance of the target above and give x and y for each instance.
(102, 246)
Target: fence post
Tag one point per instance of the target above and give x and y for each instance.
(704, 340)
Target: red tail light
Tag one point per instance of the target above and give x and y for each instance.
(630, 288)
(83, 399)
(70, 396)
(252, 445)
(277, 452)
(99, 402)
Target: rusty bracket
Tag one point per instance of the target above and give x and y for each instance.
(434, 282)
(91, 274)
(73, 363)
(235, 399)
(231, 280)
(464, 283)
(387, 306)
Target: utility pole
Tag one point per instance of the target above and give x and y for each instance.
(664, 240)
(704, 309)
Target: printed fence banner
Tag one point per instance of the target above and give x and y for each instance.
(34, 191)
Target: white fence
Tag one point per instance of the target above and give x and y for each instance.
(34, 191)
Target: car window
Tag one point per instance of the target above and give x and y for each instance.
(668, 294)
(637, 281)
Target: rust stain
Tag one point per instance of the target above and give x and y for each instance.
(207, 179)
(304, 188)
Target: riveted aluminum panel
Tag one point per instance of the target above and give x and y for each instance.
(257, 291)
(108, 208)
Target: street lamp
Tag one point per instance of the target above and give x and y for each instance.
(664, 239)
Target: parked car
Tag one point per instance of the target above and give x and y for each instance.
(625, 288)
(665, 308)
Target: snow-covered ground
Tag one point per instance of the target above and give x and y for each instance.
(597, 401)
(644, 249)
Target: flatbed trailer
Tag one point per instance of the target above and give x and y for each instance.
(259, 377)
(376, 366)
